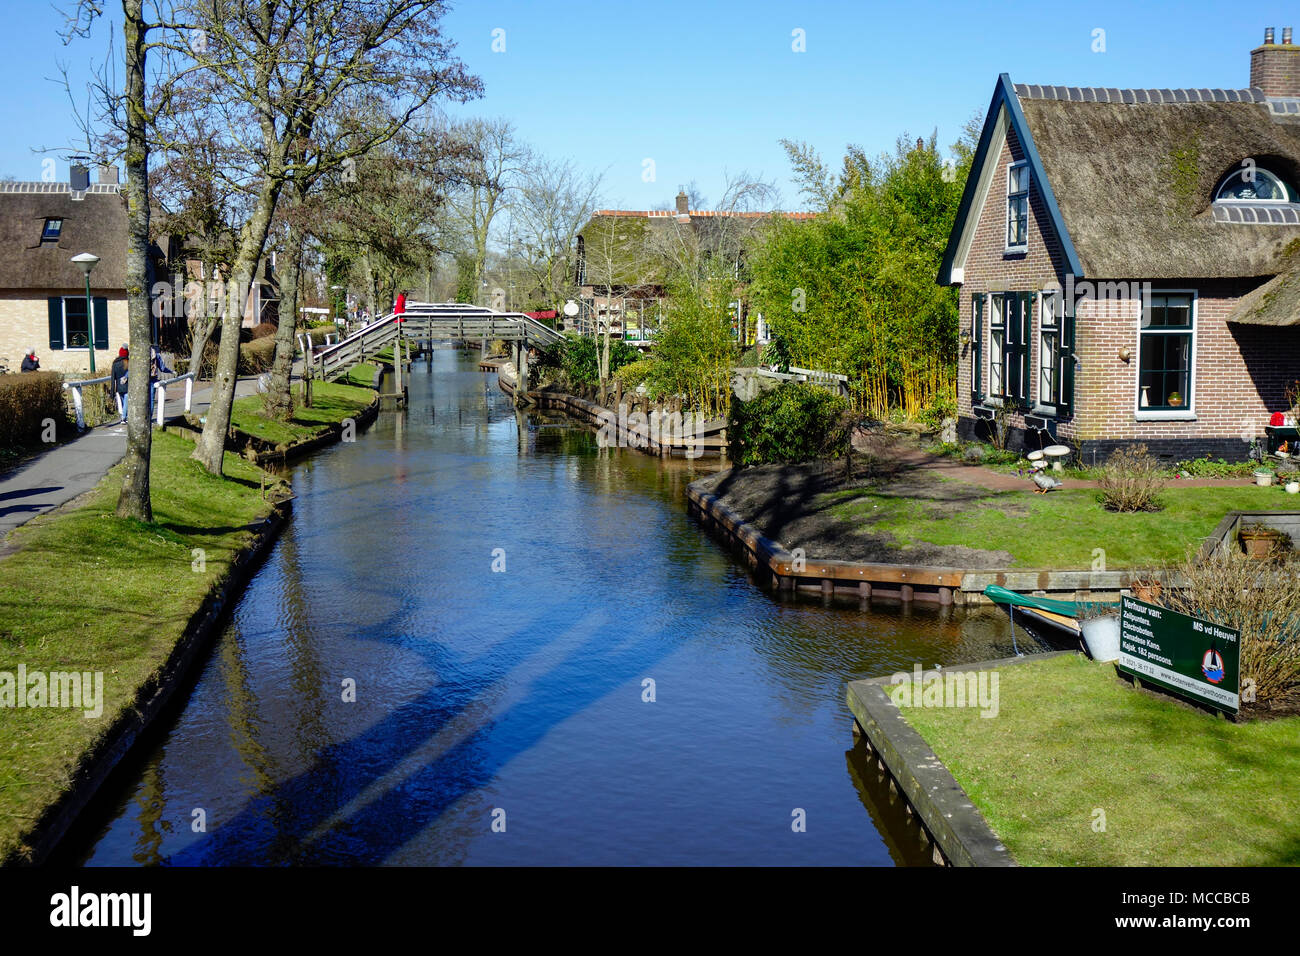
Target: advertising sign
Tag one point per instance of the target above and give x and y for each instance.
(1198, 659)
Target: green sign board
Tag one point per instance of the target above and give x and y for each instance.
(1195, 658)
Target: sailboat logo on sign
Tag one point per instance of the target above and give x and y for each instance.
(1212, 666)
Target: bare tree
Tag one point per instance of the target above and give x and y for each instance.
(555, 201)
(280, 66)
(500, 164)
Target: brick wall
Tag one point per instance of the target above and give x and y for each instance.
(24, 323)
(1239, 372)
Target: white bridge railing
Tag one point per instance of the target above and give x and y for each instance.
(160, 395)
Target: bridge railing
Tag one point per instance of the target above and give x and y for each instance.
(76, 386)
(160, 393)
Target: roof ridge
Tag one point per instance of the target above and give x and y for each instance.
(42, 187)
(1111, 94)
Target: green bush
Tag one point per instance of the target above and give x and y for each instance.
(793, 422)
(575, 361)
(26, 401)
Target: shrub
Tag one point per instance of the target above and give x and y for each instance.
(262, 330)
(26, 401)
(793, 422)
(634, 373)
(1131, 480)
(256, 356)
(1262, 601)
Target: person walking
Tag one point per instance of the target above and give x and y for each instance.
(399, 307)
(156, 366)
(118, 372)
(30, 362)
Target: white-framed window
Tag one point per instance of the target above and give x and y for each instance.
(1051, 361)
(1252, 184)
(997, 347)
(1009, 346)
(1017, 206)
(76, 323)
(1167, 355)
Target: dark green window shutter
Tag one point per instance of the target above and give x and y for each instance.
(101, 322)
(1067, 358)
(977, 348)
(56, 323)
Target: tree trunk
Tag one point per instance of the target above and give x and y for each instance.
(211, 445)
(279, 398)
(134, 500)
(201, 327)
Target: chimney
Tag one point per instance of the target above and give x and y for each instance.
(107, 175)
(79, 176)
(1275, 67)
(682, 201)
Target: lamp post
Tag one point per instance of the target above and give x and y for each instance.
(86, 262)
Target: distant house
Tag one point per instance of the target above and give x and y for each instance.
(42, 293)
(1129, 263)
(622, 257)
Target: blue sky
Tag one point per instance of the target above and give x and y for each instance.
(705, 88)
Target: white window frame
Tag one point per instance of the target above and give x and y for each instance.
(1006, 228)
(90, 324)
(995, 305)
(1188, 412)
(1259, 171)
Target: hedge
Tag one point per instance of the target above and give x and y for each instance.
(27, 400)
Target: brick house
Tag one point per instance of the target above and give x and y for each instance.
(42, 293)
(1129, 264)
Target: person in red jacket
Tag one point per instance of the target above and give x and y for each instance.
(399, 307)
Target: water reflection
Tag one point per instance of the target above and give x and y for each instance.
(522, 690)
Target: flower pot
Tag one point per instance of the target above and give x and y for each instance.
(1259, 542)
(1101, 635)
(1263, 478)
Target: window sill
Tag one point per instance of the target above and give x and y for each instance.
(1010, 251)
(1165, 416)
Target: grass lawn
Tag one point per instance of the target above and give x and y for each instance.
(1059, 529)
(362, 375)
(331, 403)
(1178, 786)
(88, 591)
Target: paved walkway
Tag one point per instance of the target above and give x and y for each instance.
(73, 468)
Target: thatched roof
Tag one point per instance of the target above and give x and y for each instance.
(1134, 181)
(94, 223)
(1276, 302)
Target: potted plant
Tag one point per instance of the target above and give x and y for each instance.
(1264, 476)
(1099, 624)
(1260, 542)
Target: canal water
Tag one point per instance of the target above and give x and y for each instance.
(552, 663)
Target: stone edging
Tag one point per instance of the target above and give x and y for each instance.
(904, 582)
(959, 831)
(152, 698)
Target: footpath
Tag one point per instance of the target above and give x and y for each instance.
(73, 468)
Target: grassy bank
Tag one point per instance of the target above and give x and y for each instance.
(1178, 787)
(331, 403)
(1056, 530)
(87, 591)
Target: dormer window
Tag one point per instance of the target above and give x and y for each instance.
(1252, 184)
(53, 229)
(1017, 206)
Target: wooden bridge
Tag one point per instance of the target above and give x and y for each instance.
(436, 321)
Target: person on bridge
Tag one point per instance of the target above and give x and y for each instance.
(399, 307)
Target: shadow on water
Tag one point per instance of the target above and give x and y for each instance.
(624, 693)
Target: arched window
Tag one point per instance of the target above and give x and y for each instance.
(1253, 184)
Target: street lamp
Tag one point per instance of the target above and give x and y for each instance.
(86, 262)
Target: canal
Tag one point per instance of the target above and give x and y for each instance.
(551, 663)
